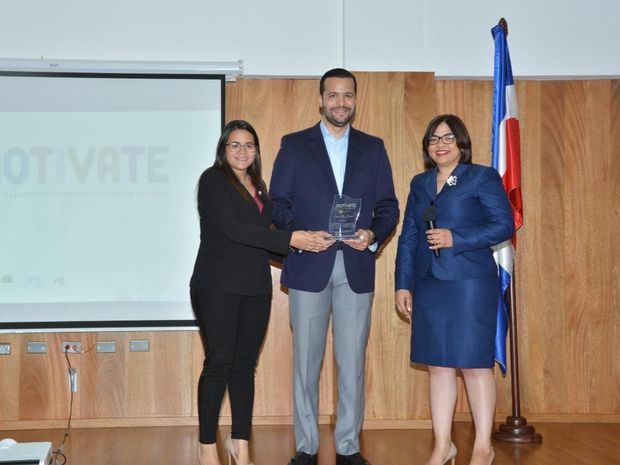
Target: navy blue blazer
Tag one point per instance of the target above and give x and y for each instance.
(475, 210)
(303, 188)
(235, 239)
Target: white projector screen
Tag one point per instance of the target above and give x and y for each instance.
(98, 175)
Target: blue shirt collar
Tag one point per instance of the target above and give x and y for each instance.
(327, 134)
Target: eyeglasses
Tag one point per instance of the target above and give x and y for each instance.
(446, 139)
(250, 147)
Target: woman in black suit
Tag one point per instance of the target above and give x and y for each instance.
(231, 284)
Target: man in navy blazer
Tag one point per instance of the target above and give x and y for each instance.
(312, 166)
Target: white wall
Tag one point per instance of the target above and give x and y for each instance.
(304, 38)
(453, 37)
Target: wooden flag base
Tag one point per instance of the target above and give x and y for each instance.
(516, 430)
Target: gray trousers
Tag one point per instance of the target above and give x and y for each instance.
(309, 314)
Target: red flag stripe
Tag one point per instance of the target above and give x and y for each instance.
(512, 176)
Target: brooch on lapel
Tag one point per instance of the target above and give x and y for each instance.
(452, 181)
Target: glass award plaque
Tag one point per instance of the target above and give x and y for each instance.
(343, 217)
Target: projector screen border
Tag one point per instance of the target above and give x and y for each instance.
(116, 70)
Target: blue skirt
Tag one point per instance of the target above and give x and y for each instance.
(454, 322)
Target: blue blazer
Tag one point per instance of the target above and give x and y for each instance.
(303, 188)
(475, 210)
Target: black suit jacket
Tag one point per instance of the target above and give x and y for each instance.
(235, 239)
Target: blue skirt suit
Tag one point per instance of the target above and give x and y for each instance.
(455, 296)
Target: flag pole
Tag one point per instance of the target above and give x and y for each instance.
(515, 429)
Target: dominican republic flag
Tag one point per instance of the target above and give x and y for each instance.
(506, 151)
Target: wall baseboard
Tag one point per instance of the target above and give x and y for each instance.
(288, 420)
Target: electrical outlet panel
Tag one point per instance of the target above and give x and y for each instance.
(71, 347)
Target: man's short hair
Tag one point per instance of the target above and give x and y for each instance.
(337, 73)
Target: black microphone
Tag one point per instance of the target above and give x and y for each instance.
(430, 216)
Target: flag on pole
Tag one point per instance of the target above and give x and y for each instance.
(506, 156)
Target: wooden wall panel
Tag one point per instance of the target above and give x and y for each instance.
(107, 381)
(566, 292)
(398, 113)
(614, 248)
(541, 200)
(158, 383)
(10, 380)
(40, 378)
(568, 271)
(576, 206)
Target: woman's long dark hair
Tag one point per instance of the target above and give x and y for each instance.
(458, 128)
(254, 171)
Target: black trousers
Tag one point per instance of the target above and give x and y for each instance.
(232, 328)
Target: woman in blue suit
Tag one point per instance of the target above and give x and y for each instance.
(447, 275)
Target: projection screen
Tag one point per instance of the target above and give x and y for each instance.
(98, 173)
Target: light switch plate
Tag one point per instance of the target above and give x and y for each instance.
(36, 347)
(139, 345)
(107, 347)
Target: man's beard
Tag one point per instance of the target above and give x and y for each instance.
(337, 123)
